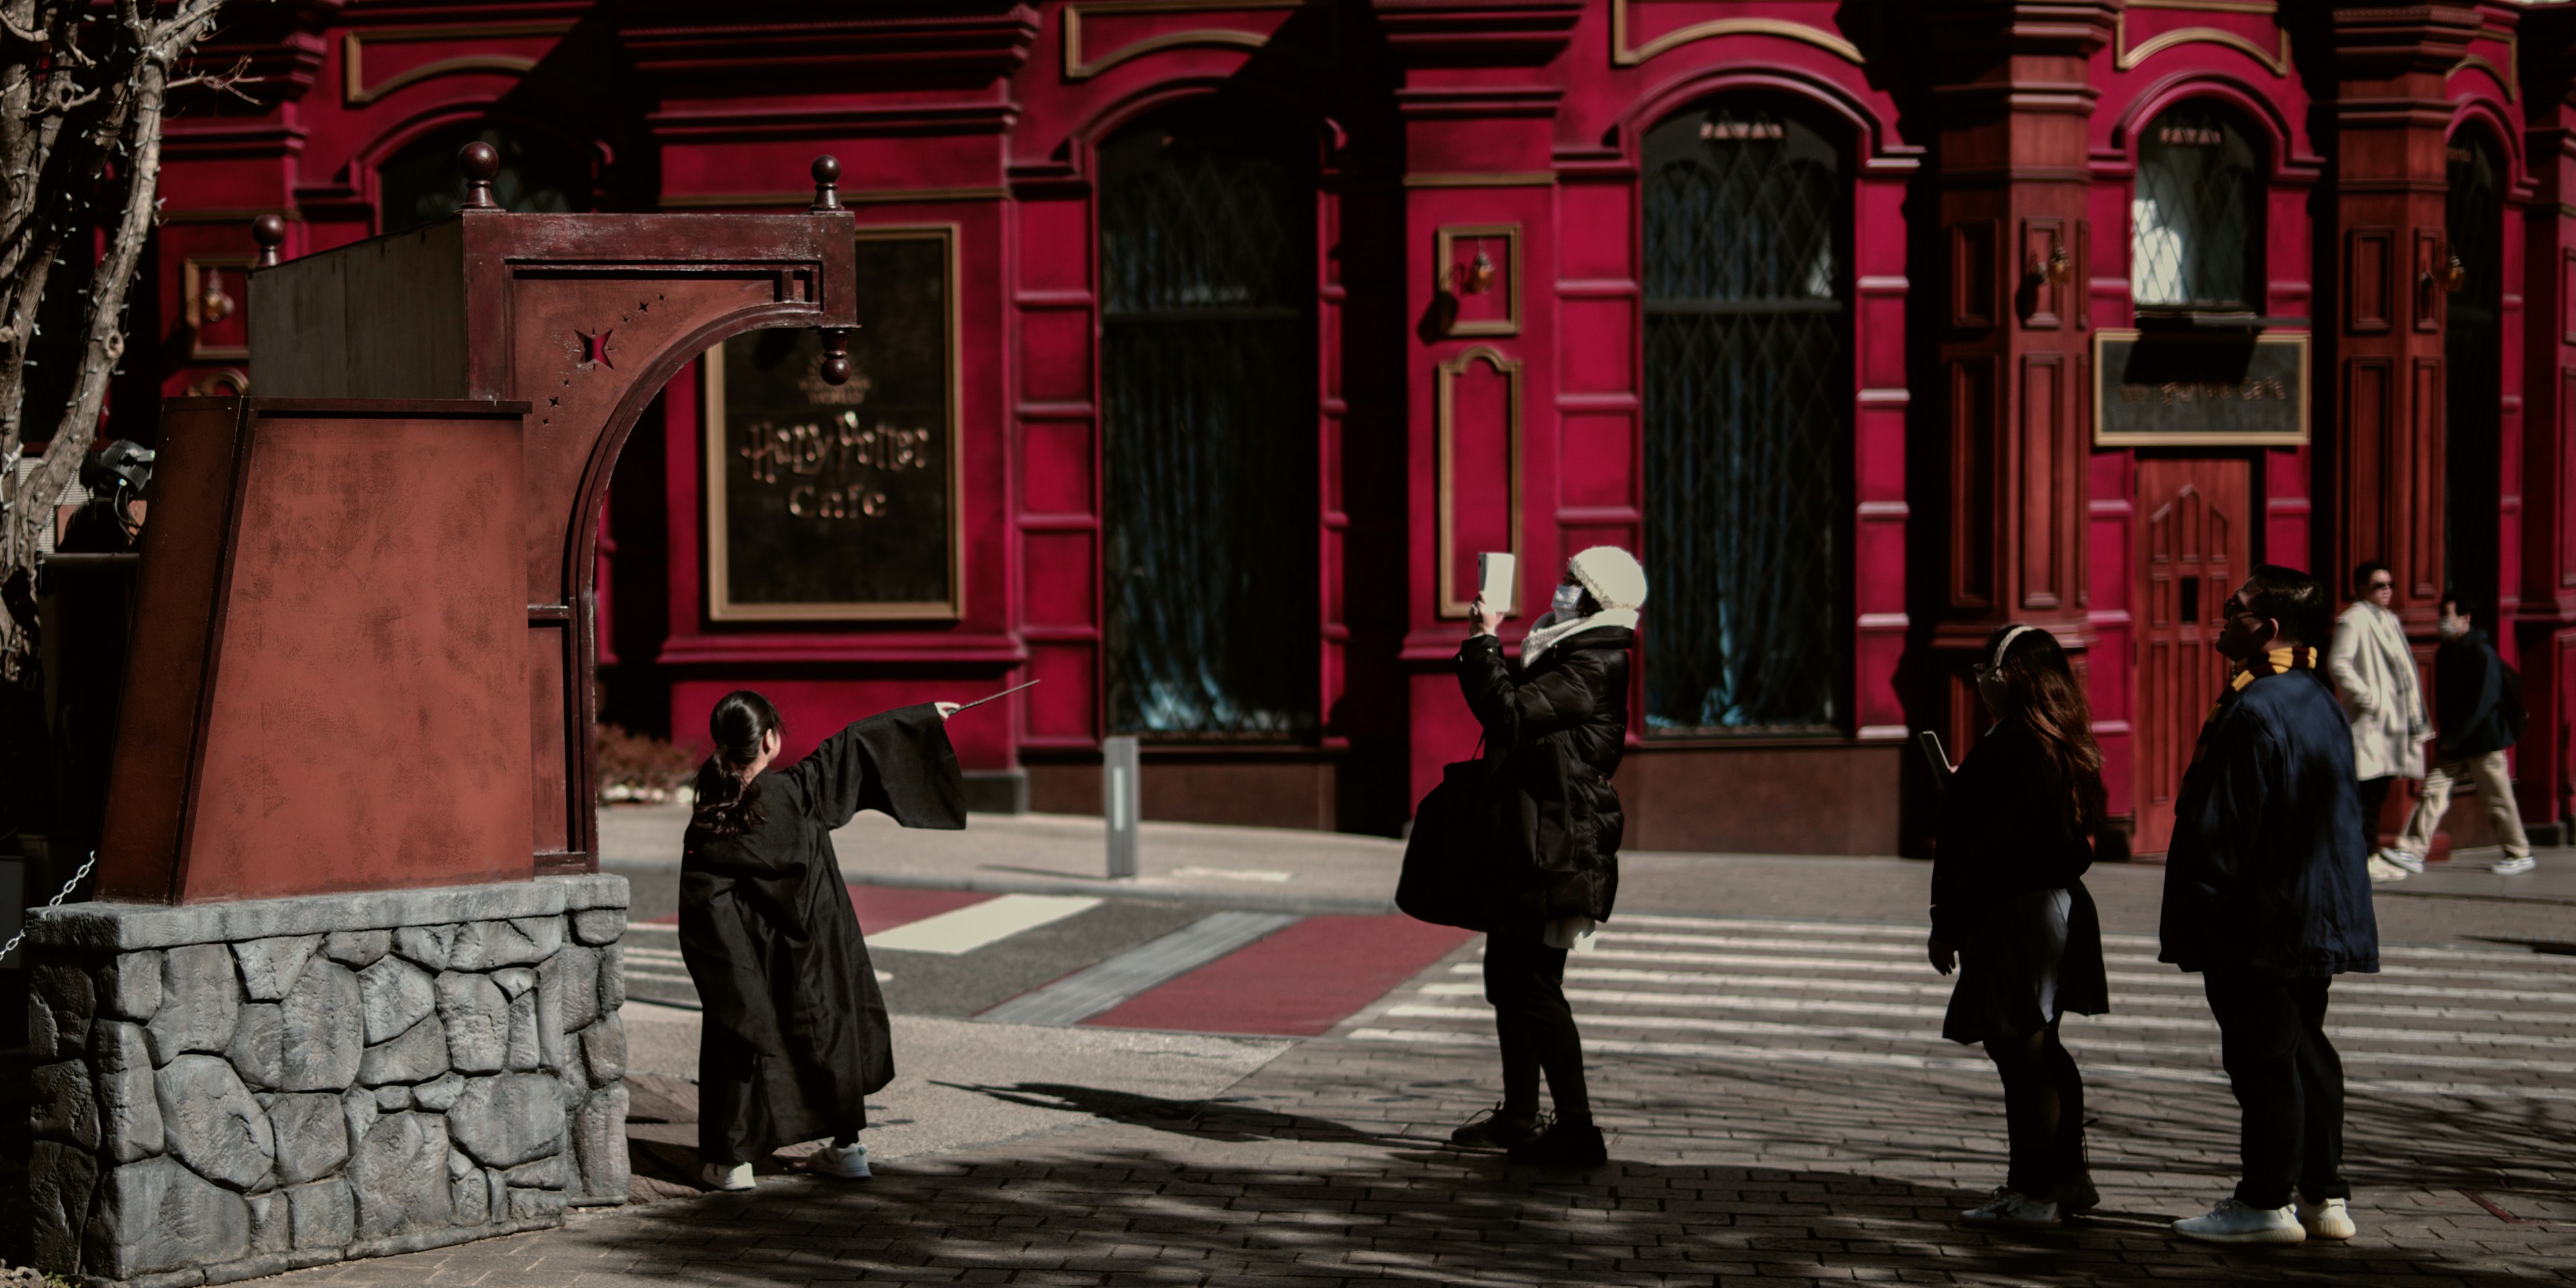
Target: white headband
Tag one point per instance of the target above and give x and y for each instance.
(2004, 645)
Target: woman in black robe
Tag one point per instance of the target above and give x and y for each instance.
(2010, 909)
(795, 1031)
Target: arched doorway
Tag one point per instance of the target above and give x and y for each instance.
(2473, 364)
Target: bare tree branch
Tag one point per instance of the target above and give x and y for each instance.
(81, 93)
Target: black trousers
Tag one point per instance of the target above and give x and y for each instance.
(1525, 981)
(2043, 1110)
(2288, 1083)
(2374, 798)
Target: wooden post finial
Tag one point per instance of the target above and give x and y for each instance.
(836, 354)
(269, 231)
(480, 162)
(827, 180)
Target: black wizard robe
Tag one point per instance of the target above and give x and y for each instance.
(795, 1035)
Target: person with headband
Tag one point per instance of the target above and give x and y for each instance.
(796, 1036)
(1555, 724)
(2266, 896)
(2009, 909)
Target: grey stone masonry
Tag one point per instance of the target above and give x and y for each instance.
(230, 1090)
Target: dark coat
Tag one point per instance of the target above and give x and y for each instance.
(796, 1032)
(1553, 737)
(2469, 698)
(2266, 872)
(2004, 832)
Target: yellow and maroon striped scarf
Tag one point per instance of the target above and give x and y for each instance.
(2248, 671)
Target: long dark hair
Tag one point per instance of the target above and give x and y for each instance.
(728, 799)
(2046, 700)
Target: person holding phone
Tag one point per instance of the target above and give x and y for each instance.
(796, 1036)
(1556, 721)
(2010, 911)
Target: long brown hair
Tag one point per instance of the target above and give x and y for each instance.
(2046, 700)
(728, 800)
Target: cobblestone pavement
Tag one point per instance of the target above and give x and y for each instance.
(1780, 1109)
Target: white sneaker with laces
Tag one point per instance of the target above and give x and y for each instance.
(2327, 1220)
(2514, 865)
(849, 1162)
(2233, 1222)
(717, 1176)
(2414, 864)
(2382, 871)
(2012, 1208)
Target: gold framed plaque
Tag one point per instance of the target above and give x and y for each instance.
(841, 503)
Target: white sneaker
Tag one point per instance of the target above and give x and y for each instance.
(2010, 1207)
(2233, 1222)
(847, 1162)
(2382, 871)
(2413, 864)
(2327, 1220)
(2514, 865)
(717, 1176)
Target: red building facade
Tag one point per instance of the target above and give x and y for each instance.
(1220, 337)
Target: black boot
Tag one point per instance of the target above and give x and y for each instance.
(1564, 1144)
(1497, 1129)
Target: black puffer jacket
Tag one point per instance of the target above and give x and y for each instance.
(1553, 737)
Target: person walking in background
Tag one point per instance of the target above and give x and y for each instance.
(796, 1035)
(2267, 897)
(1555, 724)
(2375, 675)
(2479, 702)
(2010, 909)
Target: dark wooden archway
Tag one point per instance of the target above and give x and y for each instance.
(585, 317)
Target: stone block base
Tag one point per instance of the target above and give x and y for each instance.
(224, 1091)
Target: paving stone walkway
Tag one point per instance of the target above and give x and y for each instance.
(1807, 1150)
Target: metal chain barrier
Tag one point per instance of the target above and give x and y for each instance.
(55, 902)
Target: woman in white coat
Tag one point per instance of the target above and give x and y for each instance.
(2374, 672)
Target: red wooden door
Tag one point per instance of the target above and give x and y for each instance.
(2193, 528)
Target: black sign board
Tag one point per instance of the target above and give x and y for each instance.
(2218, 388)
(839, 502)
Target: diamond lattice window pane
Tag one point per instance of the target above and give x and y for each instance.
(1748, 386)
(1208, 391)
(2194, 218)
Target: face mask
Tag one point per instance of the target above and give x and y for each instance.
(1568, 599)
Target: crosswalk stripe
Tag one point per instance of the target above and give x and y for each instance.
(2191, 1002)
(1088, 992)
(2078, 1039)
(1915, 934)
(963, 930)
(1899, 1060)
(1934, 1014)
(2345, 985)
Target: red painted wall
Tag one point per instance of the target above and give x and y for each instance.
(1432, 114)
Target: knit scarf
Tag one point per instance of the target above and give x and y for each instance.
(2273, 662)
(1548, 631)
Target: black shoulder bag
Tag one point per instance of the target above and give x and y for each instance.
(1448, 877)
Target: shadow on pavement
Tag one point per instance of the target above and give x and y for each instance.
(1239, 1192)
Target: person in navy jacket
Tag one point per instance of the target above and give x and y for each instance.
(2267, 897)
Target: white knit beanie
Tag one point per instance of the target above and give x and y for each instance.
(1613, 577)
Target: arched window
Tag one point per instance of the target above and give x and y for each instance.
(1748, 393)
(2196, 217)
(2473, 355)
(1208, 403)
(539, 174)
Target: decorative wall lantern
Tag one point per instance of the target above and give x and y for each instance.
(1479, 276)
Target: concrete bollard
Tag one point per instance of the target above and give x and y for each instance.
(1120, 803)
